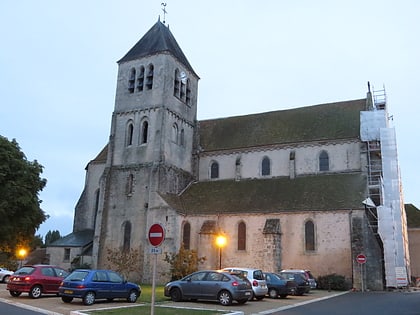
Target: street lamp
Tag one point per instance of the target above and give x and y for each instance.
(220, 242)
(22, 254)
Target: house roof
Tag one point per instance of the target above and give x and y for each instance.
(339, 120)
(413, 215)
(309, 193)
(75, 239)
(157, 40)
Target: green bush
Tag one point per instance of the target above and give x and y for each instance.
(333, 282)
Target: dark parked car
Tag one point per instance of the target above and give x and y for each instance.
(308, 275)
(303, 285)
(36, 280)
(279, 286)
(91, 285)
(210, 285)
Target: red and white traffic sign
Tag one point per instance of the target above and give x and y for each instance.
(156, 234)
(361, 259)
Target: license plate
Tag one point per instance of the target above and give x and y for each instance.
(68, 292)
(263, 286)
(247, 293)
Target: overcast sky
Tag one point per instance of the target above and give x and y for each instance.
(58, 71)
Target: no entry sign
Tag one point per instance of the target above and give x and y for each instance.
(156, 235)
(361, 259)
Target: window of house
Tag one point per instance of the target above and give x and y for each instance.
(144, 131)
(188, 93)
(242, 236)
(265, 166)
(324, 163)
(130, 184)
(66, 255)
(309, 235)
(149, 78)
(214, 170)
(140, 80)
(176, 83)
(131, 80)
(130, 130)
(127, 236)
(186, 235)
(182, 138)
(175, 133)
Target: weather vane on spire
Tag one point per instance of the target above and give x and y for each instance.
(163, 4)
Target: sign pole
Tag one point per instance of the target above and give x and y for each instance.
(152, 309)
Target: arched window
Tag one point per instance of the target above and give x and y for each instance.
(242, 236)
(175, 133)
(140, 79)
(149, 78)
(182, 138)
(131, 80)
(130, 130)
(309, 236)
(214, 170)
(144, 131)
(324, 163)
(188, 98)
(126, 236)
(265, 166)
(176, 83)
(186, 235)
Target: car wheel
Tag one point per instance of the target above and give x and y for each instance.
(260, 297)
(35, 292)
(225, 298)
(6, 279)
(66, 299)
(176, 295)
(273, 293)
(15, 293)
(132, 298)
(283, 296)
(89, 298)
(243, 301)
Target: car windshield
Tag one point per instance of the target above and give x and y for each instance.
(77, 276)
(25, 271)
(258, 275)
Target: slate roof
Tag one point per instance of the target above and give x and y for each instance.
(413, 216)
(75, 239)
(331, 121)
(157, 40)
(309, 193)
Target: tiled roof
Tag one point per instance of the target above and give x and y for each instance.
(157, 40)
(324, 122)
(75, 239)
(309, 193)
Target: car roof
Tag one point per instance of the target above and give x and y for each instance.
(241, 268)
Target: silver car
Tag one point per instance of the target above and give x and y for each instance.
(210, 285)
(255, 276)
(5, 275)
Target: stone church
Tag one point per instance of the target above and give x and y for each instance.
(309, 188)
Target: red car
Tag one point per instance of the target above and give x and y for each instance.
(36, 280)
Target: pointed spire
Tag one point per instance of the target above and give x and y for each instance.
(157, 40)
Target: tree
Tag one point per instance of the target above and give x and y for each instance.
(51, 237)
(20, 184)
(183, 263)
(123, 261)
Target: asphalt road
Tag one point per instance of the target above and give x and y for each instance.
(367, 303)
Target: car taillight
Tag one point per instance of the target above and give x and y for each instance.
(235, 283)
(80, 286)
(255, 283)
(27, 279)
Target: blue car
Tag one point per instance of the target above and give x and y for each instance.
(279, 286)
(91, 285)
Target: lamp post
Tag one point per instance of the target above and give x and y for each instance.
(220, 242)
(22, 254)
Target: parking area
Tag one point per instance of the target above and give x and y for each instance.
(54, 306)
